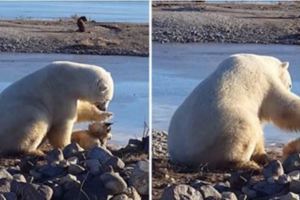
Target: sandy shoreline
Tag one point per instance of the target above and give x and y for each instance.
(38, 36)
(226, 23)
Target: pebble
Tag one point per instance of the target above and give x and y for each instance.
(178, 192)
(54, 155)
(113, 182)
(140, 177)
(274, 168)
(228, 196)
(71, 149)
(295, 186)
(290, 196)
(19, 177)
(93, 166)
(208, 191)
(5, 174)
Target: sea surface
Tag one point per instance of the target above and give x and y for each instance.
(104, 11)
(130, 74)
(179, 68)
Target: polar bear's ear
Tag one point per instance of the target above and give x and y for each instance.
(285, 65)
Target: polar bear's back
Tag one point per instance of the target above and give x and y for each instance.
(214, 105)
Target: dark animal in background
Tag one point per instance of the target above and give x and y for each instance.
(81, 23)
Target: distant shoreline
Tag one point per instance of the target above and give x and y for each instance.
(60, 36)
(226, 23)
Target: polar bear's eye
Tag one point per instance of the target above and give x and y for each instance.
(290, 86)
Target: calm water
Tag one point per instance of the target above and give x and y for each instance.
(109, 11)
(179, 68)
(130, 74)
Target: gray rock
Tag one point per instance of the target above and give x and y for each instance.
(36, 175)
(250, 193)
(180, 192)
(99, 153)
(5, 174)
(93, 166)
(290, 196)
(198, 183)
(265, 188)
(292, 163)
(274, 168)
(55, 155)
(140, 177)
(209, 191)
(75, 169)
(238, 180)
(295, 186)
(284, 179)
(132, 193)
(294, 175)
(57, 191)
(51, 170)
(116, 163)
(2, 197)
(26, 191)
(46, 191)
(228, 196)
(69, 181)
(19, 177)
(222, 186)
(73, 160)
(10, 196)
(5, 185)
(71, 150)
(113, 182)
(120, 197)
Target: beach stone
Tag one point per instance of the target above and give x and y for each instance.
(180, 192)
(46, 191)
(198, 183)
(249, 192)
(69, 181)
(238, 179)
(265, 188)
(222, 186)
(2, 197)
(290, 196)
(132, 193)
(284, 179)
(73, 160)
(5, 185)
(228, 196)
(294, 175)
(140, 177)
(58, 191)
(71, 149)
(242, 197)
(93, 166)
(10, 196)
(55, 155)
(116, 163)
(295, 186)
(99, 153)
(120, 197)
(209, 191)
(113, 182)
(274, 168)
(19, 177)
(14, 170)
(292, 163)
(51, 170)
(5, 174)
(26, 191)
(75, 169)
(35, 174)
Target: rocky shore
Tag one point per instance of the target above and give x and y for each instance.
(37, 36)
(226, 23)
(73, 173)
(280, 179)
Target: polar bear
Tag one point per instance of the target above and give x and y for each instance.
(220, 122)
(291, 148)
(44, 105)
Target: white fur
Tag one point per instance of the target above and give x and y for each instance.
(44, 104)
(221, 120)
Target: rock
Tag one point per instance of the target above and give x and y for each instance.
(69, 181)
(75, 169)
(46, 191)
(99, 153)
(295, 186)
(71, 150)
(5, 174)
(116, 163)
(113, 182)
(292, 163)
(51, 170)
(120, 197)
(294, 175)
(180, 192)
(73, 160)
(36, 175)
(57, 191)
(2, 197)
(140, 177)
(265, 188)
(238, 180)
(290, 196)
(132, 193)
(198, 183)
(228, 196)
(93, 166)
(26, 191)
(222, 186)
(54, 155)
(250, 193)
(274, 168)
(19, 177)
(10, 196)
(209, 191)
(5, 185)
(14, 170)
(284, 179)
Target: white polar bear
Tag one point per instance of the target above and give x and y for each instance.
(44, 105)
(220, 122)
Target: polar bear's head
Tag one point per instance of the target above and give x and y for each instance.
(285, 76)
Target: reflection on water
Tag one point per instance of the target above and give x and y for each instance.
(130, 74)
(179, 68)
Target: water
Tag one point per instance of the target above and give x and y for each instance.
(130, 74)
(105, 11)
(179, 68)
